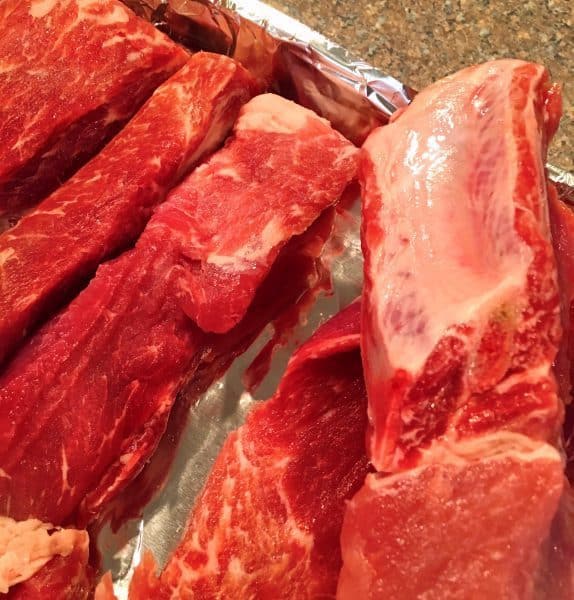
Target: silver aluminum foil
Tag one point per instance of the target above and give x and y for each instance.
(305, 66)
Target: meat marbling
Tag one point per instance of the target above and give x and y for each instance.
(100, 378)
(72, 73)
(267, 523)
(460, 328)
(104, 207)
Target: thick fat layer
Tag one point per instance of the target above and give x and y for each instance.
(270, 114)
(104, 207)
(277, 179)
(443, 194)
(267, 523)
(87, 399)
(26, 546)
(460, 282)
(463, 529)
(60, 105)
(494, 446)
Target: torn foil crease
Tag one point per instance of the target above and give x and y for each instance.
(299, 63)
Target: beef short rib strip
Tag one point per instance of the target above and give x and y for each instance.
(216, 246)
(295, 279)
(105, 206)
(460, 275)
(562, 222)
(267, 523)
(461, 326)
(86, 400)
(72, 73)
(558, 580)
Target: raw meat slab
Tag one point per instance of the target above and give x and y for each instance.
(213, 243)
(558, 579)
(72, 73)
(469, 528)
(267, 523)
(86, 401)
(461, 325)
(104, 207)
(461, 318)
(277, 294)
(562, 222)
(295, 280)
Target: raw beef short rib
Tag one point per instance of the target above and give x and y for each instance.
(461, 322)
(468, 529)
(104, 207)
(268, 521)
(73, 73)
(460, 328)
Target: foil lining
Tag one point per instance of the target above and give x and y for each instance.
(301, 64)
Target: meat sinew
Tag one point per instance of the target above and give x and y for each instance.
(268, 521)
(73, 72)
(460, 329)
(105, 206)
(85, 402)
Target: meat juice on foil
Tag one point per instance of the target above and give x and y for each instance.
(301, 64)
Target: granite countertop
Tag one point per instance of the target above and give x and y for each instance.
(419, 41)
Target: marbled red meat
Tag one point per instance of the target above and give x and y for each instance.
(72, 73)
(86, 401)
(104, 207)
(461, 319)
(558, 579)
(466, 529)
(295, 278)
(562, 221)
(267, 523)
(278, 293)
(256, 182)
(460, 328)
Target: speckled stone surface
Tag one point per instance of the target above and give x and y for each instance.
(419, 41)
